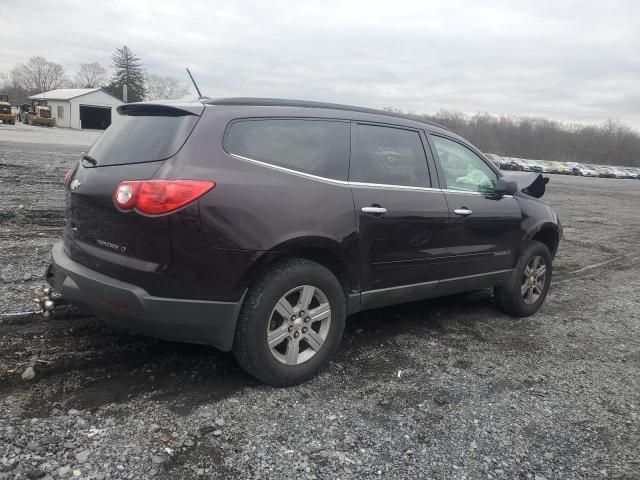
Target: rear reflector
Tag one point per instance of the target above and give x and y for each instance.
(157, 197)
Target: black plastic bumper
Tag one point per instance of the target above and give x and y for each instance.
(126, 306)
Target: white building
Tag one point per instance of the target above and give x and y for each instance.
(81, 107)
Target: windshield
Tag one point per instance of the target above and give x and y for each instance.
(141, 138)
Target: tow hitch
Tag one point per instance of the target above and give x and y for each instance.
(47, 299)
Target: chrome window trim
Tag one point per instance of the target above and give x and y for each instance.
(397, 187)
(465, 192)
(346, 183)
(329, 180)
(289, 170)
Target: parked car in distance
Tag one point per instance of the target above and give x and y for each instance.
(620, 172)
(605, 172)
(503, 163)
(632, 173)
(524, 165)
(559, 167)
(497, 160)
(535, 166)
(511, 163)
(551, 167)
(583, 170)
(257, 225)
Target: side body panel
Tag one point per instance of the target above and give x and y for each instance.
(488, 237)
(402, 250)
(255, 213)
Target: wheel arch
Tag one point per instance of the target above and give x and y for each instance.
(547, 233)
(324, 251)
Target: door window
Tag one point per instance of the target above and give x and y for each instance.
(463, 169)
(390, 156)
(317, 147)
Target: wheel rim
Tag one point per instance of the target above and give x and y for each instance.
(533, 280)
(299, 325)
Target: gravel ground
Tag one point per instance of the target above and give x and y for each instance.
(448, 388)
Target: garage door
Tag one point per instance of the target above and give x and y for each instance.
(93, 117)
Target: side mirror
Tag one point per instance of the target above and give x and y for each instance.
(505, 187)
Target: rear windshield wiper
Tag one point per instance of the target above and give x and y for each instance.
(89, 159)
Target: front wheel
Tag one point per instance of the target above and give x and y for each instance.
(291, 323)
(527, 287)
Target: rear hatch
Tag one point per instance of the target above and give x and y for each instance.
(98, 234)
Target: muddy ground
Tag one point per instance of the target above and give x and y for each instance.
(449, 388)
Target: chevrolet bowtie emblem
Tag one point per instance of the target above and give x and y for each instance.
(75, 184)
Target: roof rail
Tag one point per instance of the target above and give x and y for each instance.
(283, 102)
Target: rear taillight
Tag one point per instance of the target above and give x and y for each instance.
(157, 197)
(67, 176)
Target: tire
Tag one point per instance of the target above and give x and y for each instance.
(260, 314)
(512, 297)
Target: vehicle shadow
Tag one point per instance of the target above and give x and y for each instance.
(113, 368)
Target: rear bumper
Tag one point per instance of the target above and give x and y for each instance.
(126, 306)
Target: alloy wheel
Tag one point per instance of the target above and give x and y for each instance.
(533, 280)
(299, 325)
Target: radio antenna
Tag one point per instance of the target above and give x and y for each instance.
(195, 85)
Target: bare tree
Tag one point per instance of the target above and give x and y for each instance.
(164, 88)
(39, 75)
(17, 94)
(91, 75)
(611, 143)
(5, 81)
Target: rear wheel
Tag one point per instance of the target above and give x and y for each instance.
(524, 293)
(291, 323)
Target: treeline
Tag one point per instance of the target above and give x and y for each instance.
(611, 143)
(38, 75)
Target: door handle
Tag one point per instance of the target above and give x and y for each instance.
(374, 210)
(463, 212)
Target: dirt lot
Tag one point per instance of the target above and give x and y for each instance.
(439, 389)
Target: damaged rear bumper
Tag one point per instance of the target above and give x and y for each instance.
(126, 306)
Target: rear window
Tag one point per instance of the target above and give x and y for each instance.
(318, 147)
(140, 138)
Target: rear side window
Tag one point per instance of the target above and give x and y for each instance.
(390, 156)
(318, 147)
(141, 138)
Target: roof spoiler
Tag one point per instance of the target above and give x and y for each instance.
(159, 109)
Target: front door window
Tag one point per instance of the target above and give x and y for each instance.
(463, 169)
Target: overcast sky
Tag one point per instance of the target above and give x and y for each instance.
(568, 60)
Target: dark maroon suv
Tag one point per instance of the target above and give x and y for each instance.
(258, 225)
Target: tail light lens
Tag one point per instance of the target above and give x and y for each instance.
(157, 197)
(67, 176)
